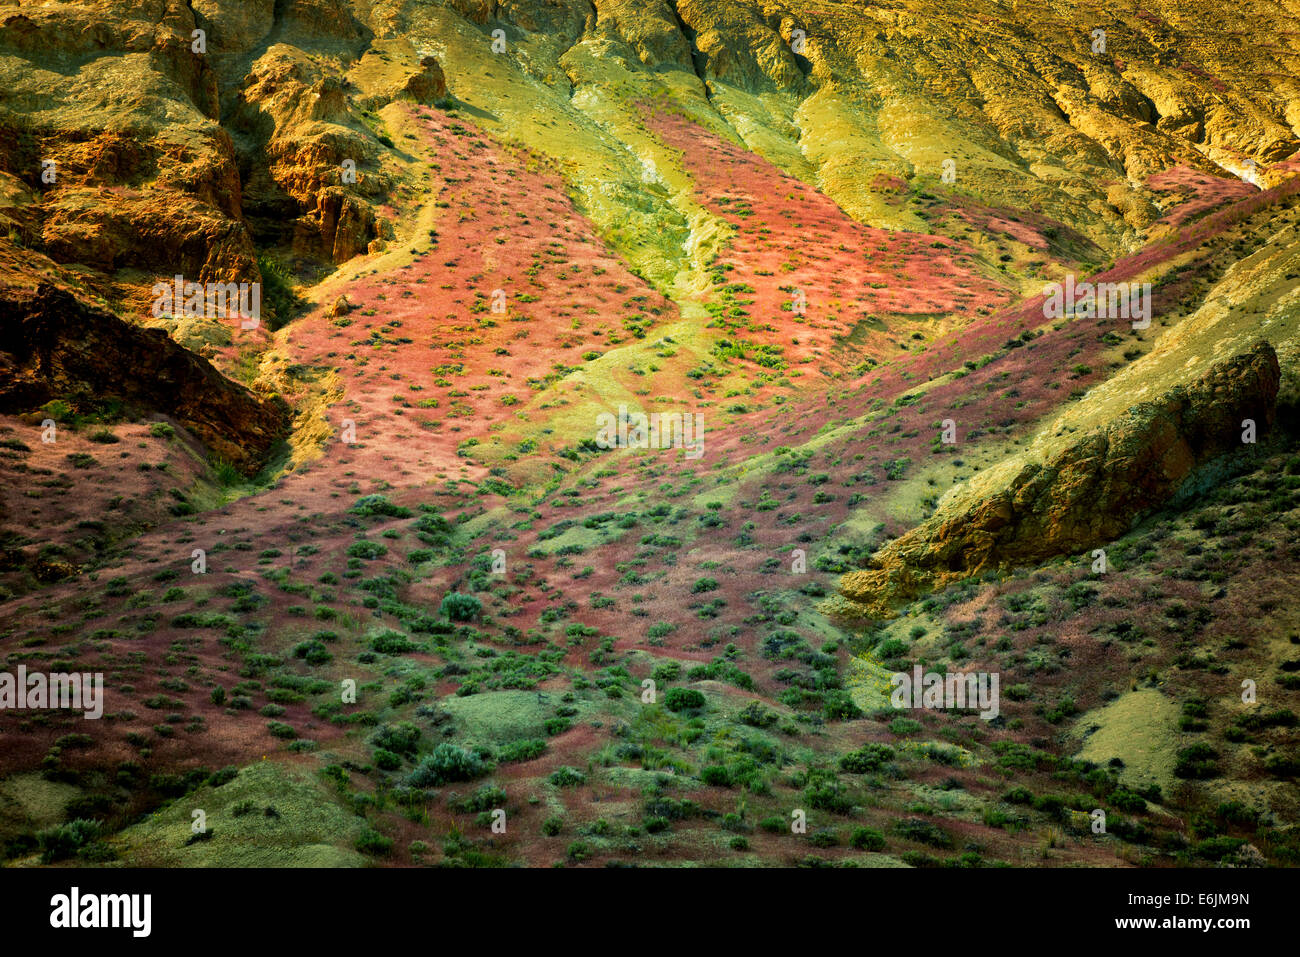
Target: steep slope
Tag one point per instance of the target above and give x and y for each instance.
(479, 225)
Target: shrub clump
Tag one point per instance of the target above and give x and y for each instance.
(1196, 762)
(926, 832)
(757, 716)
(869, 757)
(312, 651)
(866, 839)
(392, 643)
(369, 505)
(567, 777)
(57, 843)
(460, 607)
(371, 841)
(524, 749)
(448, 762)
(683, 699)
(367, 550)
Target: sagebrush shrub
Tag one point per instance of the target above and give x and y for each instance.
(460, 607)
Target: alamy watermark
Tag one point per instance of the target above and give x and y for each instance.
(75, 910)
(1102, 300)
(213, 300)
(977, 690)
(657, 430)
(78, 692)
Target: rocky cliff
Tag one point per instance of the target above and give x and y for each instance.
(1086, 495)
(54, 346)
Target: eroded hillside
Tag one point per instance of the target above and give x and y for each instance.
(373, 536)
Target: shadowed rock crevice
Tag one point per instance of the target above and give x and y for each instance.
(699, 60)
(1082, 497)
(53, 346)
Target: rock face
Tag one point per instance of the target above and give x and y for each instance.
(113, 122)
(256, 124)
(429, 85)
(1086, 495)
(54, 346)
(165, 235)
(300, 115)
(1009, 92)
(174, 154)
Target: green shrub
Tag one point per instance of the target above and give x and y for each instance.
(1196, 761)
(369, 505)
(825, 795)
(401, 738)
(866, 839)
(392, 643)
(683, 699)
(460, 607)
(314, 652)
(433, 529)
(825, 837)
(567, 777)
(448, 762)
(1052, 804)
(838, 705)
(554, 726)
(64, 840)
(1282, 765)
(926, 832)
(892, 648)
(223, 777)
(371, 841)
(715, 775)
(487, 798)
(278, 292)
(525, 749)
(1125, 800)
(367, 550)
(869, 757)
(757, 716)
(1217, 848)
(901, 726)
(668, 671)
